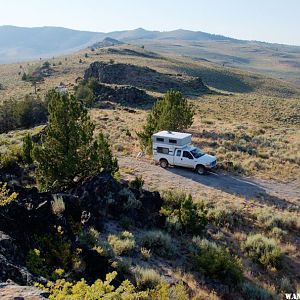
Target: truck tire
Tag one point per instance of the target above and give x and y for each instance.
(163, 163)
(200, 170)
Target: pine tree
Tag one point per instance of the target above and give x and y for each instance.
(68, 149)
(173, 113)
(107, 162)
(27, 149)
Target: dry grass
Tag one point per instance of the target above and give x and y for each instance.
(251, 134)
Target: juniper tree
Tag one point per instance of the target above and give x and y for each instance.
(27, 149)
(67, 148)
(106, 160)
(173, 112)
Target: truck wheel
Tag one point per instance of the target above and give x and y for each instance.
(200, 170)
(163, 163)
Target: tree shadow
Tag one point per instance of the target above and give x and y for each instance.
(235, 185)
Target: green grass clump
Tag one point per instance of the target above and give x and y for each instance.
(89, 237)
(225, 215)
(146, 278)
(215, 261)
(159, 242)
(270, 217)
(36, 263)
(122, 244)
(182, 213)
(253, 292)
(263, 250)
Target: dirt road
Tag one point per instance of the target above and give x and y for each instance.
(272, 192)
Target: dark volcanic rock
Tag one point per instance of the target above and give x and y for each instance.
(126, 52)
(10, 258)
(127, 95)
(91, 202)
(143, 77)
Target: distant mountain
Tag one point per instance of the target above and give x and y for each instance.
(281, 61)
(20, 43)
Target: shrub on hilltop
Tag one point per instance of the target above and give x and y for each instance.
(173, 112)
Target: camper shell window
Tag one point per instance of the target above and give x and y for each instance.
(172, 141)
(159, 139)
(162, 150)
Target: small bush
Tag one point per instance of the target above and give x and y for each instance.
(182, 213)
(125, 222)
(263, 250)
(122, 244)
(253, 292)
(285, 285)
(56, 250)
(36, 263)
(215, 261)
(225, 215)
(159, 242)
(89, 237)
(146, 278)
(137, 183)
(145, 253)
(58, 205)
(122, 265)
(62, 289)
(5, 196)
(278, 233)
(166, 292)
(132, 202)
(269, 217)
(57, 274)
(9, 159)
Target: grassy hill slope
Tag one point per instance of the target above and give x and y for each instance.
(280, 61)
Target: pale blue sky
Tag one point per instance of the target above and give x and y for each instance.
(264, 20)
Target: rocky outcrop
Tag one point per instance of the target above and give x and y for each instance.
(107, 42)
(10, 259)
(131, 52)
(10, 290)
(89, 203)
(144, 78)
(126, 95)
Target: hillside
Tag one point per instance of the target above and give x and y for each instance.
(131, 224)
(280, 61)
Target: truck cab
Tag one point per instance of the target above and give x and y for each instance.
(175, 149)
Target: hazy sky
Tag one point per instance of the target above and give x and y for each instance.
(264, 20)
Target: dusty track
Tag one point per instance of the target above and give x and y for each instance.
(266, 191)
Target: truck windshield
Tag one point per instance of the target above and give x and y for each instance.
(197, 153)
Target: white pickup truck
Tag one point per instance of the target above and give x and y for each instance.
(176, 149)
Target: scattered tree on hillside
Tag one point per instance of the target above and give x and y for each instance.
(24, 76)
(68, 149)
(107, 162)
(24, 113)
(85, 94)
(7, 116)
(30, 112)
(173, 112)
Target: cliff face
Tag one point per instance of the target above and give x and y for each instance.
(144, 78)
